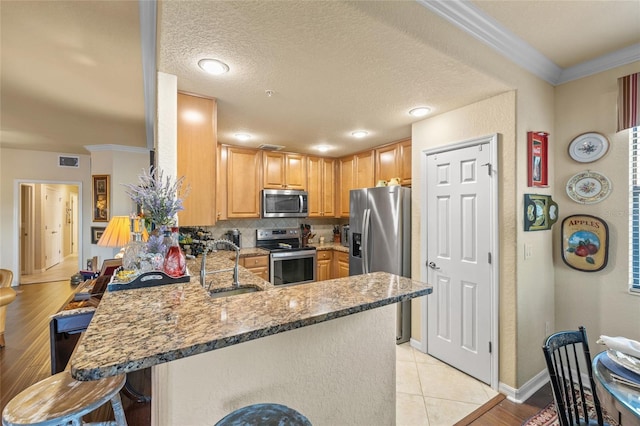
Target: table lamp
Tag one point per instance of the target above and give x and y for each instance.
(122, 230)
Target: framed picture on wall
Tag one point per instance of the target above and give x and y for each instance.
(96, 233)
(537, 158)
(100, 198)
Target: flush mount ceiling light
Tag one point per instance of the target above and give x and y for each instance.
(242, 136)
(359, 134)
(213, 66)
(420, 111)
(323, 148)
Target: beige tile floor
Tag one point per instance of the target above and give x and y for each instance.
(431, 393)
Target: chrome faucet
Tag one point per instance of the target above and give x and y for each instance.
(209, 246)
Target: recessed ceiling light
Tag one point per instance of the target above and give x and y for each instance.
(420, 111)
(359, 134)
(213, 66)
(242, 136)
(323, 148)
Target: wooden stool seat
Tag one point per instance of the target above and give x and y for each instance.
(264, 415)
(60, 399)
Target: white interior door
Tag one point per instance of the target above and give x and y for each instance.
(459, 235)
(52, 213)
(74, 223)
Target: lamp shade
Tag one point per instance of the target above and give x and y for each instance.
(118, 232)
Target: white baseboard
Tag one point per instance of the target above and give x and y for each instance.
(421, 346)
(523, 393)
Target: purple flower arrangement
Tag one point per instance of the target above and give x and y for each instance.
(160, 198)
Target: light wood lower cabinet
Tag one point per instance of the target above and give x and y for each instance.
(342, 264)
(325, 265)
(259, 265)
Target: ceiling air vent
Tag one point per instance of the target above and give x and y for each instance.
(271, 147)
(68, 161)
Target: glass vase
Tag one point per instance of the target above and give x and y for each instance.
(175, 262)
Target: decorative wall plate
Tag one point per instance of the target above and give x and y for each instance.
(588, 187)
(585, 242)
(540, 212)
(588, 147)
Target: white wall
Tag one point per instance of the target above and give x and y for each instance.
(598, 300)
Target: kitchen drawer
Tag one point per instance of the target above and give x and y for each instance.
(255, 261)
(324, 255)
(343, 257)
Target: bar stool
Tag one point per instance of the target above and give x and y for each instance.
(60, 399)
(264, 415)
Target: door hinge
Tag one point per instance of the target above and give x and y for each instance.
(489, 258)
(490, 348)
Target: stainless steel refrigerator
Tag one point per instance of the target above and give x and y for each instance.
(380, 239)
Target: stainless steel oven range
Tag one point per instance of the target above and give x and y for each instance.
(289, 262)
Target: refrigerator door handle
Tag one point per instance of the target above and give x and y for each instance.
(365, 241)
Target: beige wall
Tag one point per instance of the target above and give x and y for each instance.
(494, 115)
(33, 166)
(123, 164)
(598, 300)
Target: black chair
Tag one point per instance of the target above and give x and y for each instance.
(561, 351)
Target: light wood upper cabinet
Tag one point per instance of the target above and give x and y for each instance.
(405, 161)
(284, 170)
(197, 143)
(243, 182)
(394, 160)
(387, 162)
(346, 168)
(365, 170)
(321, 186)
(221, 186)
(356, 171)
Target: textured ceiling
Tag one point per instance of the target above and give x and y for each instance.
(569, 32)
(71, 71)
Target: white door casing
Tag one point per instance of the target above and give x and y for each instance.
(461, 256)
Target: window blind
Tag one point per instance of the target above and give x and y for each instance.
(634, 210)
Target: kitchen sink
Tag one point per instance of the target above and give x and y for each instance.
(232, 291)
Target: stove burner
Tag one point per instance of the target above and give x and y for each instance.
(280, 240)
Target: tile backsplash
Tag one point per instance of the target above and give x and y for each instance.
(247, 227)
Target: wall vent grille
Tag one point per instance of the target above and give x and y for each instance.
(268, 147)
(68, 161)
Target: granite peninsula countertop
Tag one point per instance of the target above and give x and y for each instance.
(139, 328)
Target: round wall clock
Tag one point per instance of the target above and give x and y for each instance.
(588, 147)
(588, 187)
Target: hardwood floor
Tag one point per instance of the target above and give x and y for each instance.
(26, 360)
(502, 412)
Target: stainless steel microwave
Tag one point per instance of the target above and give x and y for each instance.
(284, 203)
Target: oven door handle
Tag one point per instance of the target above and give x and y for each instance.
(296, 254)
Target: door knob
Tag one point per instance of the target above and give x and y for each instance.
(433, 265)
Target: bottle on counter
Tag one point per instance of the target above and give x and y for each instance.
(175, 262)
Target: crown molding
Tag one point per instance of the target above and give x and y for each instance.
(471, 19)
(121, 148)
(602, 63)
